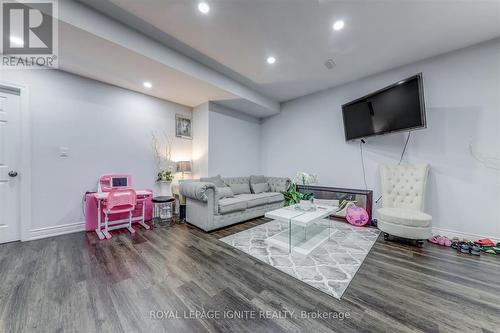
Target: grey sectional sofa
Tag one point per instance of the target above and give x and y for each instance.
(217, 202)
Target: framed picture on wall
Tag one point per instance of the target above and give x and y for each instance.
(183, 127)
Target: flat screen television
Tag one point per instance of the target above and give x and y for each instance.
(398, 107)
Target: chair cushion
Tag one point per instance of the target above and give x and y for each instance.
(404, 216)
(228, 205)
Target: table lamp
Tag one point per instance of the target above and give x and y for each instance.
(184, 167)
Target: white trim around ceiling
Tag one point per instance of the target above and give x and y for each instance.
(87, 19)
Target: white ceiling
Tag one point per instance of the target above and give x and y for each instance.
(378, 35)
(85, 54)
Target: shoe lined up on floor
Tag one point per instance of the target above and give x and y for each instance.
(488, 246)
(491, 250)
(467, 247)
(485, 242)
(440, 240)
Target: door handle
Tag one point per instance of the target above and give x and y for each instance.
(12, 174)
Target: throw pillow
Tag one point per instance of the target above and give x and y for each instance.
(240, 188)
(217, 180)
(260, 188)
(224, 192)
(261, 182)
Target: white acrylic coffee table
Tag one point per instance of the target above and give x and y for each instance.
(304, 233)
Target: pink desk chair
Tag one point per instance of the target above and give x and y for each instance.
(119, 201)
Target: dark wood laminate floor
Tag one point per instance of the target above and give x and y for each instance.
(75, 283)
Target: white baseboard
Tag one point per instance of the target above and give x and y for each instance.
(56, 230)
(80, 226)
(451, 233)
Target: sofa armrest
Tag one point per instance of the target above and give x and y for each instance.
(197, 190)
(279, 184)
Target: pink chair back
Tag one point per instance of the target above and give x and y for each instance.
(121, 197)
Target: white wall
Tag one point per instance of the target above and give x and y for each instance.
(200, 141)
(107, 129)
(462, 95)
(234, 143)
(225, 142)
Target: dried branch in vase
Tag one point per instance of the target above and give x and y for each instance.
(164, 163)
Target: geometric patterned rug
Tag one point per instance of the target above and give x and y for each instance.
(329, 268)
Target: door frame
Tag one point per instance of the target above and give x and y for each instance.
(25, 167)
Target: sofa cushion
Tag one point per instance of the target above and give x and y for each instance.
(254, 200)
(260, 187)
(404, 216)
(228, 205)
(224, 192)
(217, 180)
(271, 197)
(242, 188)
(274, 197)
(258, 184)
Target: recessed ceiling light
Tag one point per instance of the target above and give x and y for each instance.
(271, 60)
(16, 40)
(203, 7)
(148, 85)
(338, 25)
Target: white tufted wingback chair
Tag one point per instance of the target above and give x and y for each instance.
(403, 190)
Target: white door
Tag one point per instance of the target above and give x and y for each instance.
(10, 155)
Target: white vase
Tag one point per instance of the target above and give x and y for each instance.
(165, 190)
(305, 204)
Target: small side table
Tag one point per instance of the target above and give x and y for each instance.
(162, 208)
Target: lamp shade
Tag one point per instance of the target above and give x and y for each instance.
(183, 166)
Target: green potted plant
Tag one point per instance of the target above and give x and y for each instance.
(165, 176)
(164, 181)
(292, 196)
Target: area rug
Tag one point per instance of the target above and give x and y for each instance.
(329, 268)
